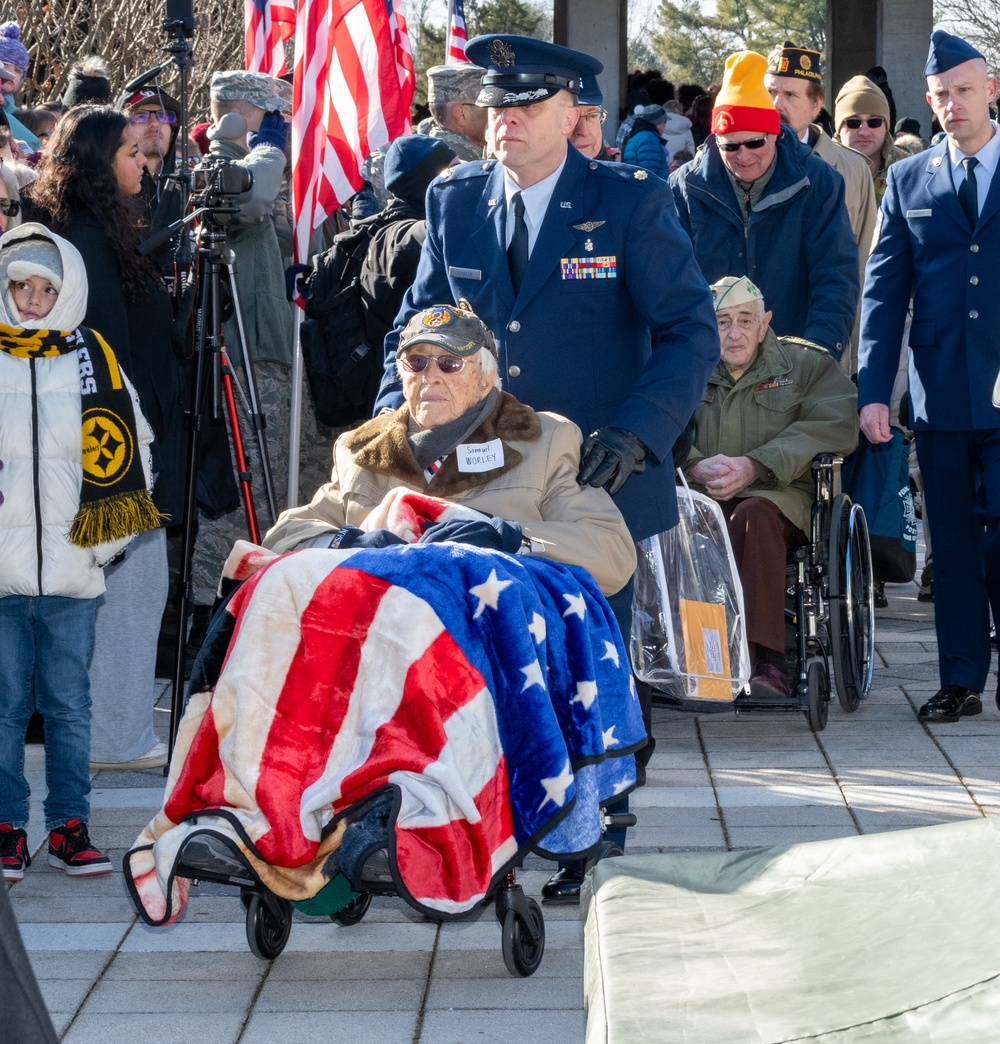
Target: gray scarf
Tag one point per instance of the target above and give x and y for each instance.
(432, 444)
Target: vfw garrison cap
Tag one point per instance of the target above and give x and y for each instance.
(523, 71)
(731, 291)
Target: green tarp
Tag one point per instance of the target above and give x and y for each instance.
(886, 937)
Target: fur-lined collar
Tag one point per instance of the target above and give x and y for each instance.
(380, 445)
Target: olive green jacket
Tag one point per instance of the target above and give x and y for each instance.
(794, 402)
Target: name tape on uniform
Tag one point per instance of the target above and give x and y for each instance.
(589, 267)
(479, 456)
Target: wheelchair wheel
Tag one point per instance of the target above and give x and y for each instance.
(268, 931)
(852, 603)
(818, 694)
(354, 911)
(523, 944)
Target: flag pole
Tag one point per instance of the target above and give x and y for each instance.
(295, 421)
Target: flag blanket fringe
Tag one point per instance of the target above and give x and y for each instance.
(491, 694)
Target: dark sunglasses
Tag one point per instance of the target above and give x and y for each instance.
(735, 146)
(10, 207)
(145, 117)
(854, 122)
(418, 363)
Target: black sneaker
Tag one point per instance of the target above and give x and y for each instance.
(14, 857)
(70, 850)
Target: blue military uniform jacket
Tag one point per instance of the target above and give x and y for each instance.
(613, 324)
(924, 246)
(798, 247)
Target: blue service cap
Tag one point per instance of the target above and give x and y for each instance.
(946, 52)
(523, 71)
(590, 93)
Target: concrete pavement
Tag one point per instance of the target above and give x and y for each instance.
(715, 782)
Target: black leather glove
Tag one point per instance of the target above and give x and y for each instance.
(273, 131)
(351, 536)
(494, 534)
(609, 456)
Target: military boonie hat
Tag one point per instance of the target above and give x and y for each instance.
(523, 71)
(455, 328)
(795, 62)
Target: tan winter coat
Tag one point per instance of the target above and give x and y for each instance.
(536, 486)
(793, 402)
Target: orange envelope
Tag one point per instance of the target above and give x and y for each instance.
(706, 649)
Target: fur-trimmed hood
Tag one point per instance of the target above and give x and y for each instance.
(380, 446)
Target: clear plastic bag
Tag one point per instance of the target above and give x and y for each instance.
(688, 636)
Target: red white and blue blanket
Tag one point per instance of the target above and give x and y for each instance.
(494, 692)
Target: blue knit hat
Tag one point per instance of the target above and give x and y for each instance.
(946, 52)
(11, 48)
(412, 163)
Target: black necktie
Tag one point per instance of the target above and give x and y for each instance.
(967, 194)
(517, 252)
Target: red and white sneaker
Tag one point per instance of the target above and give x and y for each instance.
(70, 850)
(14, 857)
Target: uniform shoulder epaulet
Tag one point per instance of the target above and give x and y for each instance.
(801, 342)
(465, 171)
(624, 172)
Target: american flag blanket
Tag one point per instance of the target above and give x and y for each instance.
(492, 693)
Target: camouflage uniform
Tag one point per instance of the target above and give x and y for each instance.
(458, 143)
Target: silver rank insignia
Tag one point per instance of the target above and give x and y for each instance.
(589, 246)
(447, 172)
(589, 226)
(640, 175)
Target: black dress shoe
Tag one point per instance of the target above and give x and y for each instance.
(951, 703)
(563, 886)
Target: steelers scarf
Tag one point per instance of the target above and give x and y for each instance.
(114, 501)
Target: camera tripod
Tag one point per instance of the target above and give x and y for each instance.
(213, 373)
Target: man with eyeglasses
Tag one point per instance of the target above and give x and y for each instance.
(588, 134)
(155, 116)
(756, 202)
(861, 117)
(938, 239)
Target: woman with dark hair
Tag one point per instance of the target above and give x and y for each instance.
(87, 191)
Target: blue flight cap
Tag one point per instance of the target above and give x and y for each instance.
(523, 71)
(946, 52)
(590, 93)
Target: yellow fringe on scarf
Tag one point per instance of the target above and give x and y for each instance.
(114, 518)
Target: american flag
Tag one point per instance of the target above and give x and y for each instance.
(492, 692)
(351, 94)
(455, 41)
(269, 23)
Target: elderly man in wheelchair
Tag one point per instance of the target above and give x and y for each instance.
(771, 406)
(436, 652)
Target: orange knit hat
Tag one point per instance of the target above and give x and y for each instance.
(743, 103)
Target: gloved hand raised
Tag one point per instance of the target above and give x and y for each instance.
(493, 534)
(609, 456)
(273, 131)
(351, 536)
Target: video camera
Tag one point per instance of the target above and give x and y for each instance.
(216, 177)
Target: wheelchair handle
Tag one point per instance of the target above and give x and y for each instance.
(619, 820)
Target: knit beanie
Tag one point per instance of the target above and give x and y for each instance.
(412, 163)
(88, 84)
(24, 258)
(11, 48)
(743, 103)
(859, 94)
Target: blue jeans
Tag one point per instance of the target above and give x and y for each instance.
(47, 645)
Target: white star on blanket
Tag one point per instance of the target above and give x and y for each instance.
(532, 676)
(488, 593)
(609, 738)
(586, 693)
(577, 604)
(537, 628)
(556, 787)
(610, 652)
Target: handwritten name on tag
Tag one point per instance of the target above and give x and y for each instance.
(919, 213)
(479, 456)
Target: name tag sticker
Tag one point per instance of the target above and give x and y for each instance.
(919, 213)
(464, 273)
(479, 456)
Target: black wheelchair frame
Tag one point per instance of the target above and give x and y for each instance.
(829, 605)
